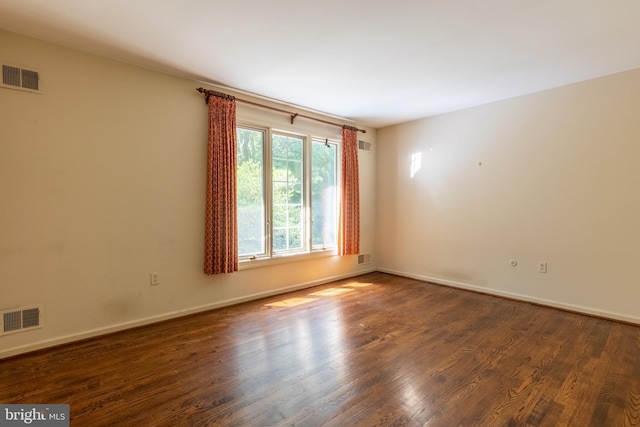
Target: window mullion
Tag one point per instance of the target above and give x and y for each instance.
(307, 190)
(268, 194)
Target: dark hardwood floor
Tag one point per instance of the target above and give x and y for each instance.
(377, 350)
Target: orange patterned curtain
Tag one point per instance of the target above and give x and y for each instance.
(221, 224)
(349, 226)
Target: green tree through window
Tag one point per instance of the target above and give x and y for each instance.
(250, 188)
(288, 192)
(300, 176)
(324, 193)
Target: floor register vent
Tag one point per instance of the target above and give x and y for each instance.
(20, 319)
(21, 79)
(364, 259)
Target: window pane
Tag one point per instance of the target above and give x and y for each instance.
(279, 239)
(280, 193)
(295, 194)
(295, 238)
(295, 171)
(295, 215)
(279, 146)
(250, 190)
(324, 193)
(280, 172)
(287, 179)
(295, 149)
(280, 216)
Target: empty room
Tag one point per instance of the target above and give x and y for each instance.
(416, 213)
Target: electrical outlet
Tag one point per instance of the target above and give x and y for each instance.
(542, 267)
(155, 278)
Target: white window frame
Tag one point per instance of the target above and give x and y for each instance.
(308, 251)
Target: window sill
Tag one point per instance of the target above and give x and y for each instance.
(286, 258)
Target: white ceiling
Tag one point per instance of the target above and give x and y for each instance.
(378, 62)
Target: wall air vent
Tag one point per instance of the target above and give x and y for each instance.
(364, 259)
(364, 145)
(21, 79)
(20, 319)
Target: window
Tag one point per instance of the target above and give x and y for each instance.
(324, 194)
(287, 193)
(287, 190)
(250, 192)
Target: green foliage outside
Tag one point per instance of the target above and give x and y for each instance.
(324, 194)
(250, 189)
(287, 181)
(287, 192)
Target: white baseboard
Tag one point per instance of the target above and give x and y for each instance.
(171, 315)
(516, 296)
(437, 280)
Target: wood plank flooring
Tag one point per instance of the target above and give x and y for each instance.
(376, 350)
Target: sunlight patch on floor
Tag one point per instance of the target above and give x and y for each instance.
(291, 302)
(357, 285)
(332, 292)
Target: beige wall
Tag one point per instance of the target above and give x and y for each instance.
(102, 182)
(551, 176)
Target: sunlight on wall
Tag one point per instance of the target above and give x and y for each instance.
(416, 163)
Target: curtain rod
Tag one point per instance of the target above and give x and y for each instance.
(293, 116)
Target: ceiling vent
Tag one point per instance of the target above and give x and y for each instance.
(364, 145)
(20, 319)
(21, 79)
